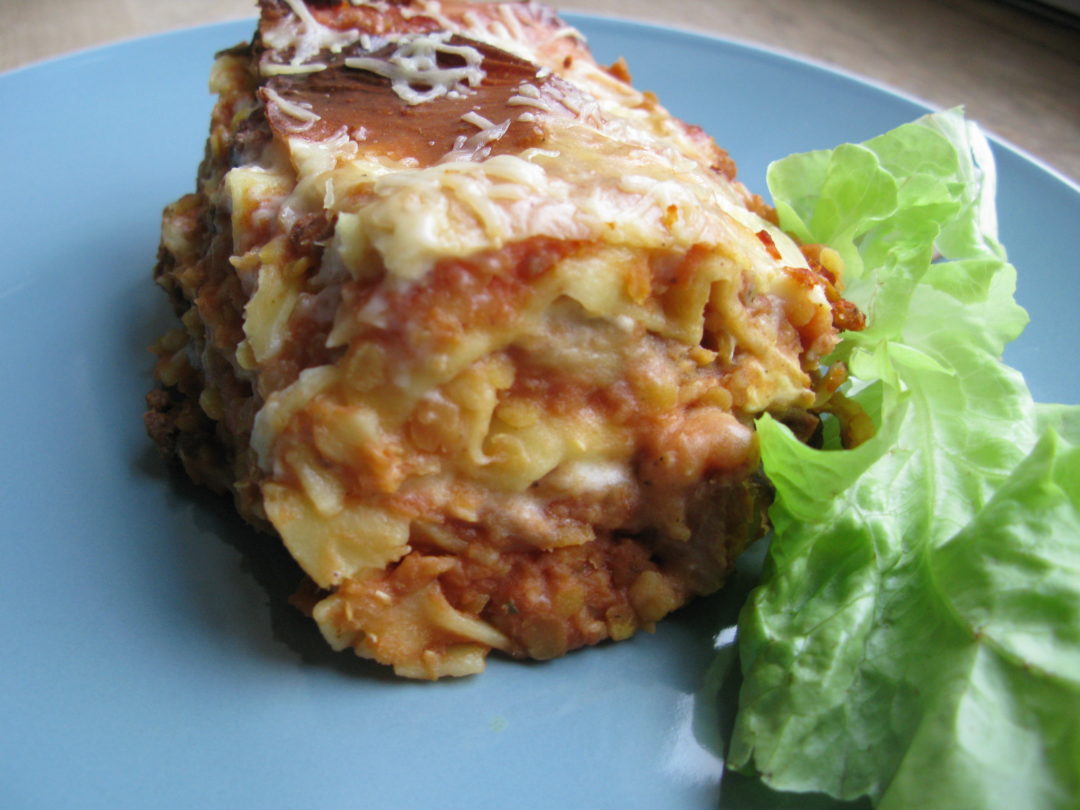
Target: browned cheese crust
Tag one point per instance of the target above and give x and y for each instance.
(478, 330)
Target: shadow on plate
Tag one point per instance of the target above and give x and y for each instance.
(264, 559)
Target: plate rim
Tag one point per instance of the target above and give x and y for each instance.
(624, 24)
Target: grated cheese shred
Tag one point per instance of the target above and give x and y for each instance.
(414, 71)
(477, 120)
(301, 111)
(307, 35)
(277, 69)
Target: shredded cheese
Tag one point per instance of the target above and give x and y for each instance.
(477, 120)
(511, 20)
(414, 64)
(310, 36)
(301, 111)
(278, 69)
(570, 32)
(518, 100)
(478, 146)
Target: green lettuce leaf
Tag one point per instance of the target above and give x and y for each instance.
(916, 635)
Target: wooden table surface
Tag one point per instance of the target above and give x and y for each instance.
(1016, 72)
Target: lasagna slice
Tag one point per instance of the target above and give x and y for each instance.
(478, 330)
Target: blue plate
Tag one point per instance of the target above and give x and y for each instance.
(150, 658)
